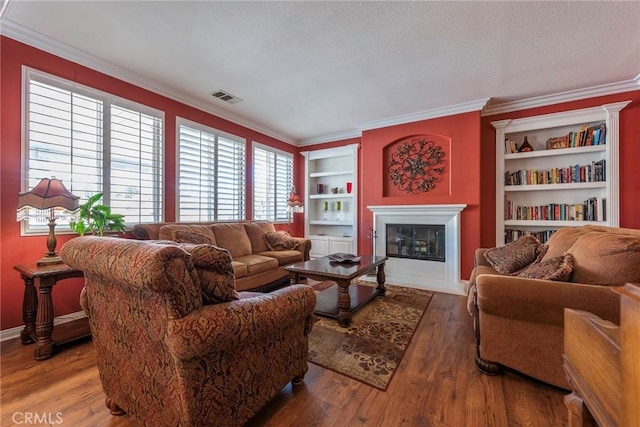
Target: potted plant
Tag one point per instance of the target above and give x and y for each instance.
(97, 219)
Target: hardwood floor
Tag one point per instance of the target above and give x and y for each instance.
(436, 384)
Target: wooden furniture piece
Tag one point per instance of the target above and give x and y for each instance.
(37, 311)
(538, 130)
(349, 297)
(333, 229)
(601, 362)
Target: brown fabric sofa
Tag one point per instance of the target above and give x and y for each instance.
(519, 322)
(167, 359)
(257, 268)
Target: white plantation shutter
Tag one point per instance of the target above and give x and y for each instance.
(81, 136)
(211, 174)
(136, 164)
(272, 180)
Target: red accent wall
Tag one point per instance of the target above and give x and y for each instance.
(629, 156)
(17, 250)
(461, 183)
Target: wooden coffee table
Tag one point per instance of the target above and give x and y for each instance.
(341, 300)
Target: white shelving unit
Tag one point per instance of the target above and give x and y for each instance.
(331, 230)
(538, 129)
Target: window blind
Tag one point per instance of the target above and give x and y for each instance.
(272, 181)
(80, 136)
(211, 174)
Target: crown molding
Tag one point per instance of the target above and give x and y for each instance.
(47, 44)
(399, 120)
(557, 98)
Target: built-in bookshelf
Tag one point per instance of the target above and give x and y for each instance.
(331, 188)
(569, 178)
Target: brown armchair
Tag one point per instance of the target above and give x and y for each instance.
(168, 359)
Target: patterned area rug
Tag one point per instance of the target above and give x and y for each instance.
(372, 347)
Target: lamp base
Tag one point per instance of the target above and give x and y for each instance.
(49, 260)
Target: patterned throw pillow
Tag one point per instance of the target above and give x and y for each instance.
(514, 256)
(558, 268)
(191, 237)
(280, 241)
(213, 264)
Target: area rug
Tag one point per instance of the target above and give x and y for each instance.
(370, 349)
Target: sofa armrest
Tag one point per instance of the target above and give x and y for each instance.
(304, 246)
(223, 327)
(543, 301)
(480, 259)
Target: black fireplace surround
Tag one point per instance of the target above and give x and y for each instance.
(416, 241)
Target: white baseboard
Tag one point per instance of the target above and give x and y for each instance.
(11, 333)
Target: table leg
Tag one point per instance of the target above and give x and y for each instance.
(380, 277)
(44, 320)
(294, 277)
(29, 307)
(344, 303)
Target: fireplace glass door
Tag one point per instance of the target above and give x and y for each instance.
(423, 242)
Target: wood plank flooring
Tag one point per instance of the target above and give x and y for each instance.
(436, 384)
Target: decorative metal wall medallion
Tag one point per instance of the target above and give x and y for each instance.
(416, 166)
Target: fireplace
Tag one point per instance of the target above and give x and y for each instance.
(416, 227)
(416, 241)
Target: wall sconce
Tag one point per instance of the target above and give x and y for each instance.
(48, 201)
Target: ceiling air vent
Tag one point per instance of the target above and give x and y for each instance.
(226, 97)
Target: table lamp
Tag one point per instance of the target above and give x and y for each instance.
(49, 200)
(294, 204)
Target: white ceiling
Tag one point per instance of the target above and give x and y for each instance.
(316, 71)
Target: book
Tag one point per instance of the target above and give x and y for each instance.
(345, 258)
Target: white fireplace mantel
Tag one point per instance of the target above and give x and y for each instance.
(432, 275)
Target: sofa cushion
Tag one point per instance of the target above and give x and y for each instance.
(515, 255)
(183, 233)
(606, 259)
(558, 268)
(284, 257)
(258, 263)
(256, 231)
(239, 269)
(562, 240)
(280, 241)
(233, 237)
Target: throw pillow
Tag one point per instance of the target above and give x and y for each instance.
(516, 255)
(190, 237)
(213, 264)
(558, 268)
(280, 241)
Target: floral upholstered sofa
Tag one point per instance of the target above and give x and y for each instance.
(175, 343)
(518, 293)
(259, 252)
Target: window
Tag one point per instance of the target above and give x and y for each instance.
(272, 181)
(94, 142)
(211, 174)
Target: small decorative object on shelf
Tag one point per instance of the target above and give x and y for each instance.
(525, 147)
(325, 211)
(339, 214)
(416, 166)
(320, 188)
(334, 190)
(349, 187)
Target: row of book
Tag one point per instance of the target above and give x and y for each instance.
(511, 235)
(592, 209)
(592, 172)
(587, 135)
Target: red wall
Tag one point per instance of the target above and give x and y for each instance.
(462, 173)
(629, 156)
(17, 250)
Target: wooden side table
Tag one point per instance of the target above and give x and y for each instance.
(37, 311)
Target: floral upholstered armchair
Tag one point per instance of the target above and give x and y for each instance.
(175, 343)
